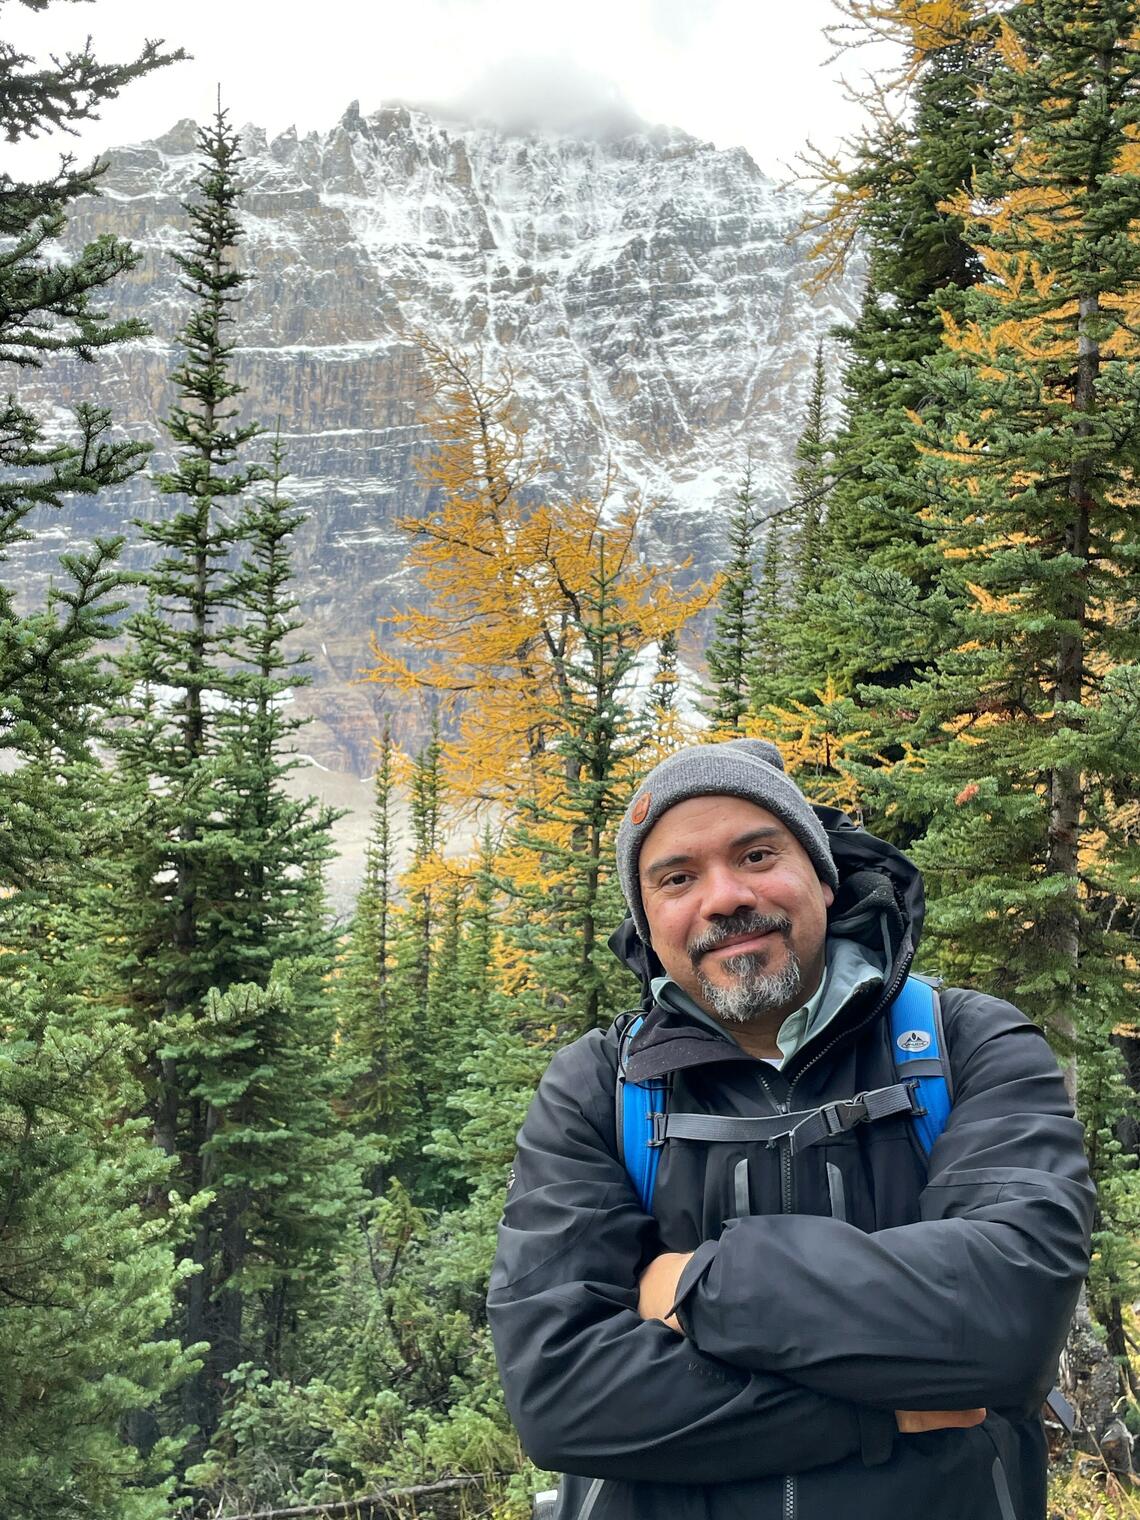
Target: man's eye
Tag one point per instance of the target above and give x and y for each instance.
(757, 856)
(674, 879)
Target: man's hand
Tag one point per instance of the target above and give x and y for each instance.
(912, 1422)
(658, 1285)
(658, 1294)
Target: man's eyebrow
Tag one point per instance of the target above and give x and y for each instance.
(666, 863)
(753, 836)
(769, 831)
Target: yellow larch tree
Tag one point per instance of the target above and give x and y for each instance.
(537, 641)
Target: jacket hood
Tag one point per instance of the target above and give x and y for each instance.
(879, 902)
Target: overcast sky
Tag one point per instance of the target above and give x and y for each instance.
(734, 71)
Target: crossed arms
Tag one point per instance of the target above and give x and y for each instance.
(808, 1362)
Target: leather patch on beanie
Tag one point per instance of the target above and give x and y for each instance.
(640, 809)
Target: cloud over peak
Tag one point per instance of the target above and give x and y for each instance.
(520, 95)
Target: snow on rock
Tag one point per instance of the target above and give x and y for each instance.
(646, 287)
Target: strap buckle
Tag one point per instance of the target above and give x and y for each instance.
(657, 1129)
(844, 1114)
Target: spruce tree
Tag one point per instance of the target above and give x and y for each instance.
(856, 618)
(369, 1015)
(278, 890)
(417, 1035)
(726, 657)
(187, 937)
(184, 641)
(668, 728)
(225, 933)
(1027, 728)
(765, 667)
(85, 1278)
(286, 1174)
(572, 900)
(811, 484)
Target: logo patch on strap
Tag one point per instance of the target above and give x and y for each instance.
(913, 1040)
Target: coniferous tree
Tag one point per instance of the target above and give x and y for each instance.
(1027, 727)
(370, 1016)
(506, 581)
(1031, 473)
(765, 666)
(279, 888)
(188, 934)
(664, 702)
(573, 902)
(85, 1278)
(811, 484)
(286, 1175)
(416, 1035)
(728, 651)
(426, 809)
(668, 728)
(227, 868)
(183, 641)
(858, 620)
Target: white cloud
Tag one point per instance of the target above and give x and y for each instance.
(734, 71)
(526, 94)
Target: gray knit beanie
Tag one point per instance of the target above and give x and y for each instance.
(748, 768)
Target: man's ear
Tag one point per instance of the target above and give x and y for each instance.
(828, 893)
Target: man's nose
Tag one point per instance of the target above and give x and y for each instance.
(726, 892)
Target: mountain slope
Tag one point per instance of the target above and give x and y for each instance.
(643, 287)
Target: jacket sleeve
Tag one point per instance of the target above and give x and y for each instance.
(594, 1389)
(969, 1305)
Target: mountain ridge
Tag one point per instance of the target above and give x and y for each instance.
(647, 289)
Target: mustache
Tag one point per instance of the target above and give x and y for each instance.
(732, 928)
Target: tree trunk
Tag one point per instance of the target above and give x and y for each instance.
(1066, 787)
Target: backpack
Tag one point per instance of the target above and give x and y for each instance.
(923, 1092)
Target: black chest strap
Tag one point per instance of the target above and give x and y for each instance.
(802, 1129)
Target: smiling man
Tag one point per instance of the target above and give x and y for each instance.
(739, 914)
(809, 1316)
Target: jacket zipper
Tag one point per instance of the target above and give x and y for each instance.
(787, 1200)
(787, 1206)
(787, 1181)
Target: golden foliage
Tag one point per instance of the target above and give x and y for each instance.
(509, 583)
(988, 603)
(834, 225)
(920, 27)
(814, 742)
(1010, 48)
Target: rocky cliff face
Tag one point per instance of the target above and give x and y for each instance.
(643, 287)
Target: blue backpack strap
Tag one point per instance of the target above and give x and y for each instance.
(638, 1107)
(919, 1049)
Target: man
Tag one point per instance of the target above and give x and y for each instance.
(837, 1329)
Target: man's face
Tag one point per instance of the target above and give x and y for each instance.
(737, 915)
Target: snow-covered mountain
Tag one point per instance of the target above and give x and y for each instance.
(641, 283)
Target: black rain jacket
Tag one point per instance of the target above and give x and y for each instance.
(947, 1284)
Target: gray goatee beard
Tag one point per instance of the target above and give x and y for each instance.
(753, 990)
